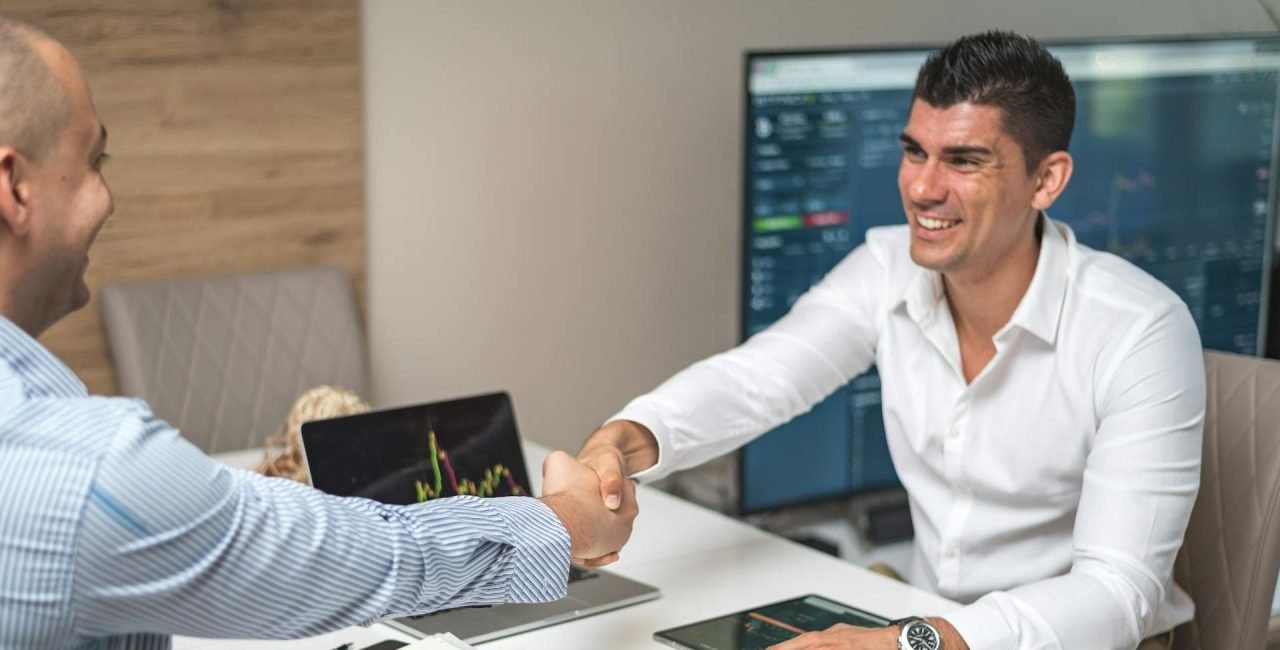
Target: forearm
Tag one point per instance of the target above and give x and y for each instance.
(725, 401)
(1081, 609)
(827, 338)
(187, 547)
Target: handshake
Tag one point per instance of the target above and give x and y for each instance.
(591, 495)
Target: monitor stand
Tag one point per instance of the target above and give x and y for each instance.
(846, 525)
(886, 524)
(817, 542)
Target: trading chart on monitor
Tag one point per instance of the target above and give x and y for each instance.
(418, 453)
(442, 480)
(1174, 148)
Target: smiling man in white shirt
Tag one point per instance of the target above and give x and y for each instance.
(1044, 402)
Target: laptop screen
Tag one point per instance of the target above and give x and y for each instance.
(417, 453)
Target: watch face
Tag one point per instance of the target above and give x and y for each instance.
(922, 636)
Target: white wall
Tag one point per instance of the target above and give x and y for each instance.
(553, 185)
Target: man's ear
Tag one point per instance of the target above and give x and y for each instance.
(15, 191)
(1052, 173)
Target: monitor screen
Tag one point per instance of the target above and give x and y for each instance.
(412, 454)
(1175, 155)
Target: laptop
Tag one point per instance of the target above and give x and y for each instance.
(471, 446)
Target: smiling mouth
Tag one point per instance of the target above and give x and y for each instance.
(936, 224)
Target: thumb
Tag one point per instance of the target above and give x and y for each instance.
(610, 482)
(607, 465)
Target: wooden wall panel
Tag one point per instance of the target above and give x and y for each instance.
(236, 141)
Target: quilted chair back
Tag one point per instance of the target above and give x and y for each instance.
(1231, 555)
(223, 358)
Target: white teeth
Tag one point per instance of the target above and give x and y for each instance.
(935, 224)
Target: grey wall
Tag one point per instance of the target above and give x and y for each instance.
(553, 186)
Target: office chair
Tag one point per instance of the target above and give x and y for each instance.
(1231, 555)
(223, 358)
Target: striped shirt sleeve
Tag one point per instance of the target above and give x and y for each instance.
(171, 542)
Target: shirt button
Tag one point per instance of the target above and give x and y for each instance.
(954, 432)
(949, 553)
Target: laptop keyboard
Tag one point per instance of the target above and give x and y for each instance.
(415, 617)
(575, 575)
(578, 574)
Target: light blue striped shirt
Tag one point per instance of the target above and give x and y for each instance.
(117, 533)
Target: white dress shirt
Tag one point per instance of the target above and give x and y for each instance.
(1052, 492)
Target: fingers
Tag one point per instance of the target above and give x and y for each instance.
(597, 527)
(597, 562)
(629, 489)
(841, 636)
(797, 643)
(807, 641)
(607, 464)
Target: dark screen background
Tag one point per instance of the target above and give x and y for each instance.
(381, 455)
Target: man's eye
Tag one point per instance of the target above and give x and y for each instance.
(914, 152)
(964, 162)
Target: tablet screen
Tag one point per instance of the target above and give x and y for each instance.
(760, 627)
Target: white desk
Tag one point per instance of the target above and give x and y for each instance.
(705, 563)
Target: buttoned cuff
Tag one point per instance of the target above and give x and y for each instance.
(982, 627)
(540, 552)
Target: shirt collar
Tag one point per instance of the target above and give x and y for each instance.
(41, 373)
(1040, 309)
(924, 295)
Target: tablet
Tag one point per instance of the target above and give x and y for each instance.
(760, 627)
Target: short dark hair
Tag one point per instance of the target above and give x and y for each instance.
(1011, 72)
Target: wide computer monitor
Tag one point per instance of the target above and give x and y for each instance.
(1175, 156)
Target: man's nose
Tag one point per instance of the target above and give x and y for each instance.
(926, 186)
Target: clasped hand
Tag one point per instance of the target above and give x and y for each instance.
(599, 506)
(573, 491)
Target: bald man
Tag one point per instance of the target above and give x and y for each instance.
(115, 532)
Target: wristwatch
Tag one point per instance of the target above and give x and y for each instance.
(915, 633)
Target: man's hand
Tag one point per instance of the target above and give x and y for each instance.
(844, 637)
(848, 637)
(618, 449)
(572, 491)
